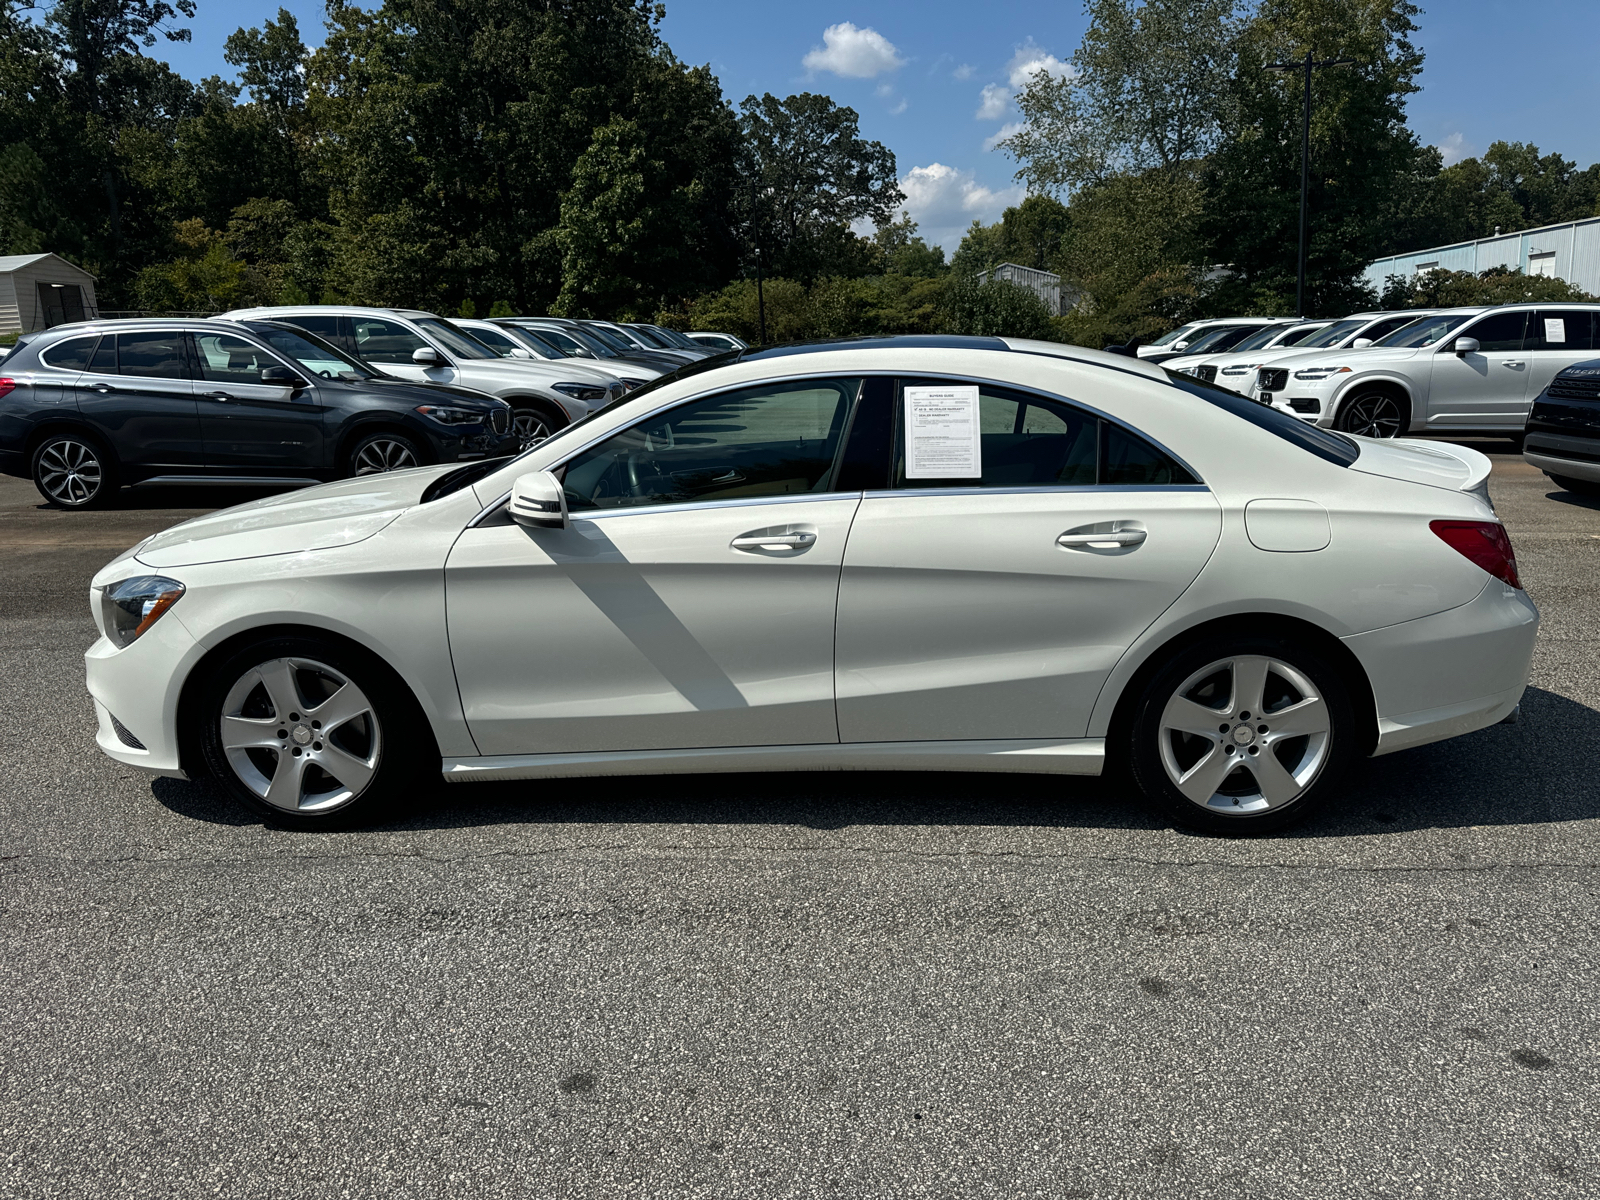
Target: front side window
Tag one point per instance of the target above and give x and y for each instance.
(1028, 441)
(1497, 331)
(311, 352)
(1330, 335)
(227, 359)
(381, 341)
(70, 355)
(770, 440)
(1561, 329)
(151, 355)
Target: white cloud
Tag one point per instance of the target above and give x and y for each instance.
(1454, 148)
(1030, 59)
(1001, 134)
(995, 100)
(943, 201)
(965, 71)
(852, 52)
(898, 108)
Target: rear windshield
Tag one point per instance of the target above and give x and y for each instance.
(1426, 331)
(1324, 443)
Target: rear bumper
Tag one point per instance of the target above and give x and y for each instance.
(1451, 673)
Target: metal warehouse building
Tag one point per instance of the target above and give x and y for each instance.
(38, 291)
(1570, 251)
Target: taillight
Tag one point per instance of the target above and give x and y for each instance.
(1485, 543)
(6, 385)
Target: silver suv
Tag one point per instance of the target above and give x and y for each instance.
(425, 348)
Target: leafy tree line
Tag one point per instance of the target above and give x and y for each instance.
(536, 155)
(1165, 168)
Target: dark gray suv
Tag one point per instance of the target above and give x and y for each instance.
(88, 408)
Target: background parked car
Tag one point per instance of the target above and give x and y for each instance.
(1246, 354)
(1563, 430)
(620, 338)
(425, 348)
(509, 342)
(91, 407)
(1201, 335)
(667, 339)
(718, 341)
(541, 345)
(575, 338)
(1470, 369)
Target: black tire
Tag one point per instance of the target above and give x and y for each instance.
(74, 471)
(352, 768)
(1578, 487)
(1206, 675)
(1374, 414)
(378, 453)
(531, 420)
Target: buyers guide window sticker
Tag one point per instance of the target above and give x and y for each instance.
(942, 433)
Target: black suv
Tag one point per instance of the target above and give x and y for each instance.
(86, 408)
(1562, 436)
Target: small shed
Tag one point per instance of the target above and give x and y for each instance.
(1046, 285)
(38, 291)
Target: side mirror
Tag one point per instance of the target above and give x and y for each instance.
(281, 377)
(1361, 343)
(538, 501)
(519, 352)
(1466, 346)
(1184, 345)
(427, 356)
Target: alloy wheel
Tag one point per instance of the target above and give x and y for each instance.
(384, 454)
(529, 425)
(300, 735)
(1246, 734)
(1374, 415)
(70, 472)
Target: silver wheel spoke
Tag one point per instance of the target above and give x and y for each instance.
(1249, 683)
(353, 772)
(344, 705)
(288, 782)
(1308, 716)
(1276, 784)
(1201, 781)
(1186, 716)
(282, 690)
(250, 733)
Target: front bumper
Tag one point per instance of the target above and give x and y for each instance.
(1450, 673)
(139, 685)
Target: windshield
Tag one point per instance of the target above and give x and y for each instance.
(500, 342)
(455, 341)
(1332, 335)
(1213, 339)
(310, 351)
(1261, 337)
(1424, 332)
(532, 341)
(1166, 339)
(650, 337)
(612, 339)
(595, 347)
(674, 338)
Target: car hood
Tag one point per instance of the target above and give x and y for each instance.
(1437, 464)
(314, 518)
(1367, 355)
(426, 392)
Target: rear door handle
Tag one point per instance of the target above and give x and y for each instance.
(223, 397)
(773, 541)
(1102, 541)
(1514, 364)
(105, 389)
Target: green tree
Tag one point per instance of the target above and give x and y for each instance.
(1497, 285)
(995, 308)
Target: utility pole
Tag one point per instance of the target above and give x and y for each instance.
(755, 238)
(1306, 64)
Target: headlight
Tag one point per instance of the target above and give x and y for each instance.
(1189, 370)
(446, 415)
(587, 392)
(1315, 374)
(629, 384)
(132, 606)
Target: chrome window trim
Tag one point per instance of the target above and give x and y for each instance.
(668, 406)
(1052, 488)
(602, 514)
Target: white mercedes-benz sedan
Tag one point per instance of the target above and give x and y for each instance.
(926, 553)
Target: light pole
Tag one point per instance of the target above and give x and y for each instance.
(755, 238)
(1306, 64)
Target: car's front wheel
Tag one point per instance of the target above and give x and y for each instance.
(1243, 735)
(533, 422)
(380, 452)
(1374, 414)
(306, 732)
(74, 471)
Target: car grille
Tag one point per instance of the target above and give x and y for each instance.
(500, 419)
(1272, 379)
(1209, 374)
(124, 736)
(1575, 389)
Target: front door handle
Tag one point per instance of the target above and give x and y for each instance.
(773, 541)
(1513, 364)
(222, 397)
(1110, 540)
(105, 389)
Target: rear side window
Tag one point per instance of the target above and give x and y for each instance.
(326, 328)
(71, 355)
(151, 355)
(1561, 329)
(1324, 443)
(1028, 441)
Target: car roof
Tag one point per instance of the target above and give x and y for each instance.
(130, 324)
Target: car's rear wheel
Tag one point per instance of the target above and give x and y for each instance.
(1245, 735)
(72, 470)
(1374, 414)
(380, 452)
(305, 732)
(532, 422)
(1578, 487)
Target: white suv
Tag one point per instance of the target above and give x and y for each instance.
(425, 348)
(1461, 369)
(1236, 370)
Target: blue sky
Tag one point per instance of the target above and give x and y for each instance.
(932, 79)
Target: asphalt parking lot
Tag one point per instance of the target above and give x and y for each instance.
(802, 985)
